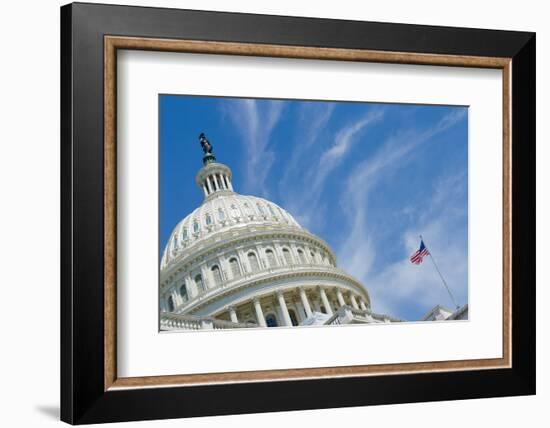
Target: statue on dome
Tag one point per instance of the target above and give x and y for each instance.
(205, 144)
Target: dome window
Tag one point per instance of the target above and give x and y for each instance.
(171, 305)
(253, 262)
(208, 219)
(183, 293)
(234, 211)
(287, 256)
(184, 234)
(221, 214)
(199, 283)
(175, 242)
(248, 209)
(302, 257)
(234, 266)
(196, 227)
(217, 275)
(270, 258)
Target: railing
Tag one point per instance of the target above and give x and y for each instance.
(346, 314)
(169, 321)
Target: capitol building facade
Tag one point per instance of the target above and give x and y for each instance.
(244, 262)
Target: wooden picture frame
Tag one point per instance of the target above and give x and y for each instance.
(91, 390)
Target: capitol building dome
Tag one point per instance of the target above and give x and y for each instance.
(241, 261)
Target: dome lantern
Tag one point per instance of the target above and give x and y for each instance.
(213, 178)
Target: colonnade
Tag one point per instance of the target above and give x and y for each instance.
(215, 182)
(321, 298)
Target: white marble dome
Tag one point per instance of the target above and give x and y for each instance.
(221, 212)
(241, 261)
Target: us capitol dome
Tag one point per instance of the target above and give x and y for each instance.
(241, 261)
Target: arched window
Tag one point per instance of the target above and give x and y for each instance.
(184, 233)
(221, 214)
(253, 262)
(234, 211)
(234, 266)
(270, 258)
(199, 283)
(196, 226)
(208, 219)
(175, 245)
(293, 318)
(171, 305)
(287, 256)
(271, 321)
(183, 293)
(216, 274)
(312, 254)
(302, 257)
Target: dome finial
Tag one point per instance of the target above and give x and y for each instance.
(207, 149)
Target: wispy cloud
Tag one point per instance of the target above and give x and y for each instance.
(256, 119)
(313, 118)
(357, 251)
(306, 202)
(345, 139)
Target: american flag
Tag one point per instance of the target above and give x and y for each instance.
(419, 255)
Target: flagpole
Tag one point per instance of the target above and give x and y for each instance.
(440, 275)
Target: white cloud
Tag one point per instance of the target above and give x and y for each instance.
(400, 283)
(312, 120)
(305, 201)
(256, 120)
(345, 139)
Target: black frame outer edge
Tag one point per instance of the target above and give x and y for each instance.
(66, 306)
(82, 397)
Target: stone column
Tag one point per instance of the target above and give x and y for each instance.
(353, 301)
(205, 190)
(305, 302)
(243, 258)
(176, 298)
(362, 304)
(340, 297)
(222, 183)
(191, 288)
(284, 309)
(259, 312)
(208, 184)
(229, 183)
(206, 281)
(325, 301)
(233, 314)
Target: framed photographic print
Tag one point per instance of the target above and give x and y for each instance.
(308, 213)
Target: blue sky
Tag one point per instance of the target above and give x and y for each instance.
(368, 178)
